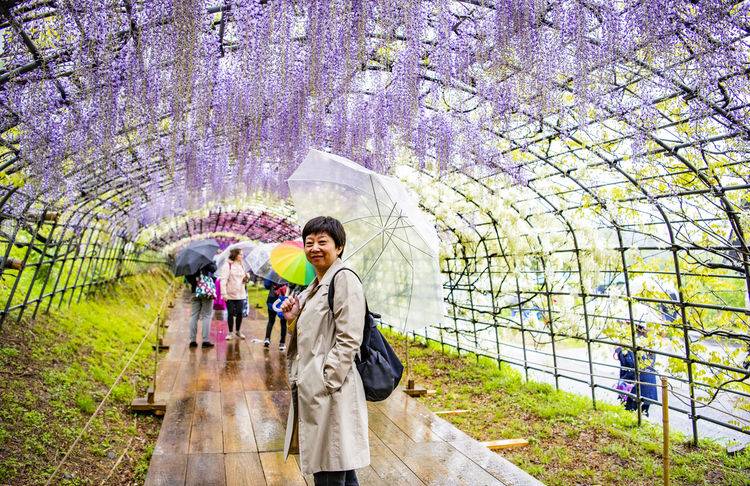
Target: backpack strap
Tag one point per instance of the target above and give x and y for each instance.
(331, 291)
(332, 288)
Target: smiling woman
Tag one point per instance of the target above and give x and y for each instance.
(324, 238)
(328, 414)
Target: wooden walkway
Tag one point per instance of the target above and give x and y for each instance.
(226, 415)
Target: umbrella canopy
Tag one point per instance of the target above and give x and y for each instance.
(260, 263)
(194, 256)
(391, 243)
(247, 248)
(289, 261)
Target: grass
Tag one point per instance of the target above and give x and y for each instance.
(256, 296)
(56, 371)
(569, 441)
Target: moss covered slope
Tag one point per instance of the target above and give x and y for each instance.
(55, 371)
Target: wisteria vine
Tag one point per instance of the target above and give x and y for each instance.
(166, 104)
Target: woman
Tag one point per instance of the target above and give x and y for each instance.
(646, 378)
(328, 413)
(232, 279)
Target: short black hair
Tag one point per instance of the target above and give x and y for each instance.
(328, 225)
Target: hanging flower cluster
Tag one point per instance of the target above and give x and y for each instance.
(168, 104)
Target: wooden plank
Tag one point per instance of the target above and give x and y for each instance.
(178, 346)
(207, 378)
(184, 384)
(250, 377)
(309, 478)
(389, 467)
(206, 432)
(174, 436)
(244, 469)
(230, 378)
(499, 467)
(402, 404)
(441, 463)
(412, 424)
(388, 432)
(167, 470)
(281, 473)
(451, 412)
(166, 377)
(271, 367)
(496, 445)
(268, 413)
(236, 424)
(233, 351)
(369, 477)
(205, 470)
(495, 464)
(141, 404)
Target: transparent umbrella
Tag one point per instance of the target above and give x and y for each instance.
(246, 246)
(260, 262)
(390, 243)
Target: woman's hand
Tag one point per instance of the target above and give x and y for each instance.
(290, 308)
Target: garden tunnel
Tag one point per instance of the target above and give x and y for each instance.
(585, 162)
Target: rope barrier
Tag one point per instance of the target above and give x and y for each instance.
(109, 392)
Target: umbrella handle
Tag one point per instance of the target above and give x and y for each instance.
(276, 306)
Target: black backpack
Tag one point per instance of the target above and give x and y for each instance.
(378, 366)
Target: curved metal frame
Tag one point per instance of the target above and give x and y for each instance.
(89, 238)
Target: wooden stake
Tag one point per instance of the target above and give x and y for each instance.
(665, 425)
(451, 412)
(160, 345)
(496, 445)
(418, 391)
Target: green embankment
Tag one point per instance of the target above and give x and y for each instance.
(54, 373)
(569, 441)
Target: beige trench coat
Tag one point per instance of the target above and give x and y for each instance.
(331, 412)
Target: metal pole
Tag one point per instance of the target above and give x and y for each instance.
(523, 331)
(29, 246)
(39, 266)
(551, 323)
(77, 239)
(58, 245)
(85, 259)
(633, 344)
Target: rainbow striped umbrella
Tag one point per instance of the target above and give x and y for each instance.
(289, 261)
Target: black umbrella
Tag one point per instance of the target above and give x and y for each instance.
(194, 256)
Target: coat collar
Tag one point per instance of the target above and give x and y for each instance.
(326, 280)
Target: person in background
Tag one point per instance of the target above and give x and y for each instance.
(201, 309)
(274, 292)
(646, 376)
(233, 278)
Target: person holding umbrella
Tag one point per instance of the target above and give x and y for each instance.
(233, 278)
(196, 262)
(328, 413)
